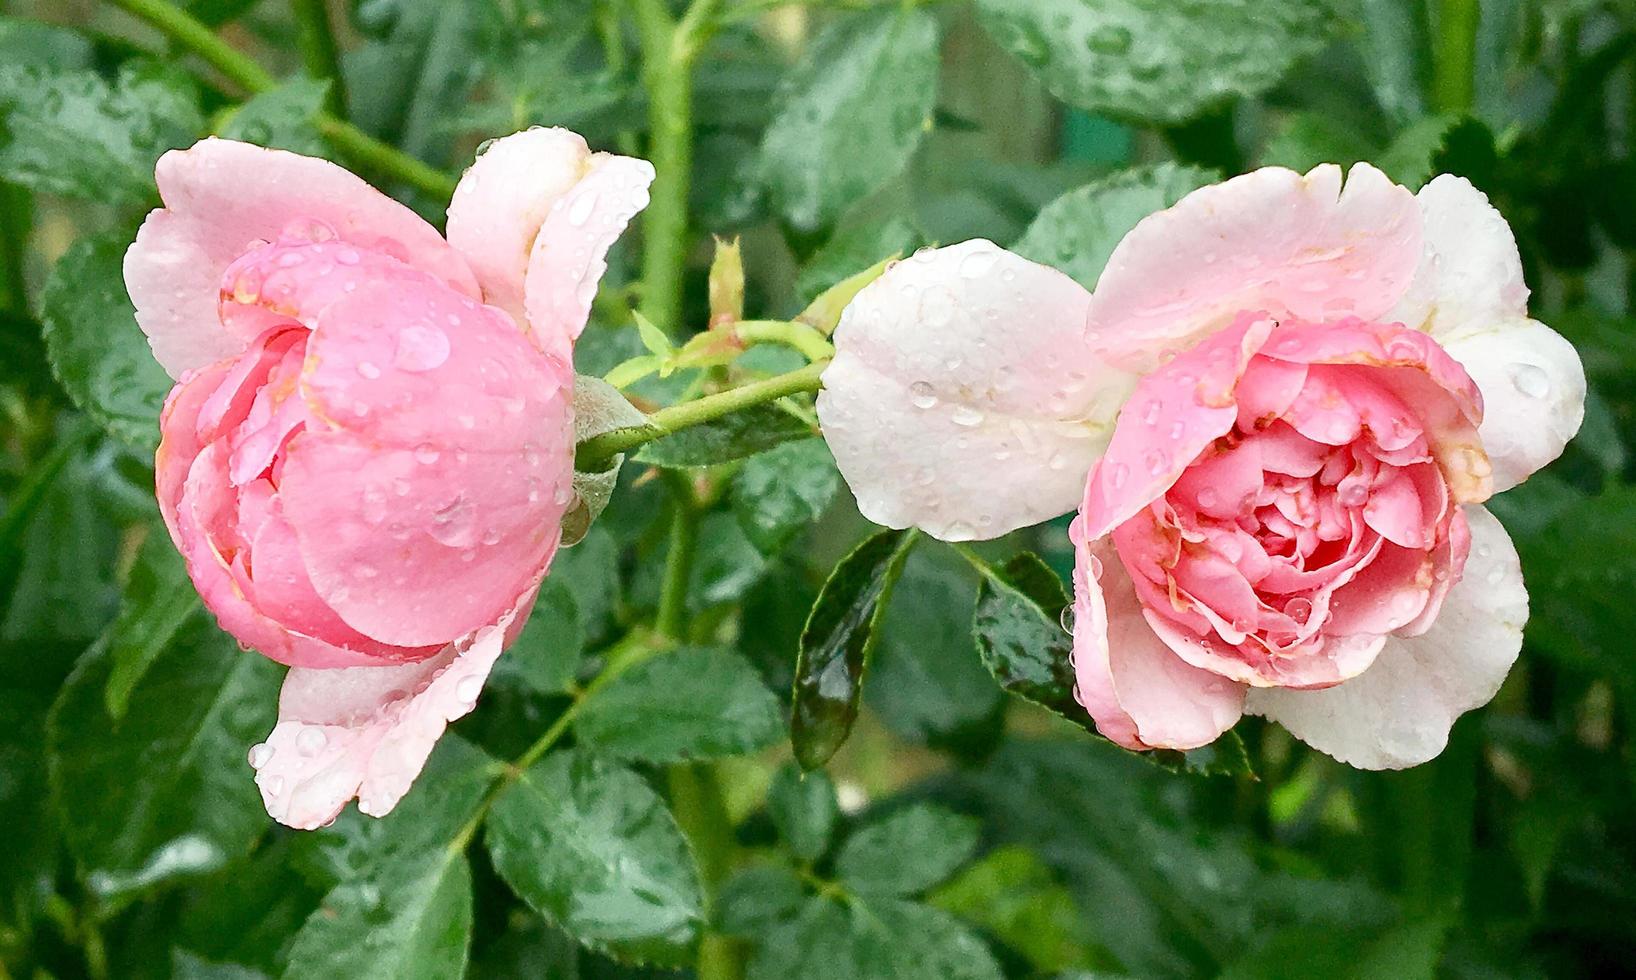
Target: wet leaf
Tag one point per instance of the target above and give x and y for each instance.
(284, 118)
(97, 351)
(725, 439)
(1160, 61)
(851, 114)
(587, 844)
(804, 809)
(783, 490)
(836, 643)
(686, 704)
(906, 851)
(880, 939)
(1016, 897)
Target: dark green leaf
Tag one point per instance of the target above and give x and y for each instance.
(164, 791)
(687, 704)
(783, 490)
(159, 602)
(592, 848)
(836, 643)
(409, 918)
(907, 851)
(28, 42)
(97, 351)
(727, 565)
(1015, 896)
(1078, 231)
(884, 939)
(72, 133)
(851, 114)
(804, 809)
(855, 246)
(546, 655)
(756, 898)
(285, 117)
(1162, 61)
(723, 440)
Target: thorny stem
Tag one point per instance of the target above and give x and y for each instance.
(245, 72)
(593, 454)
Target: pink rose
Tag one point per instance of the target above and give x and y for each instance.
(368, 454)
(1291, 400)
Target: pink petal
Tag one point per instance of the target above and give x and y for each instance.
(515, 194)
(222, 196)
(963, 399)
(1269, 240)
(1139, 693)
(436, 492)
(366, 732)
(1182, 408)
(1398, 712)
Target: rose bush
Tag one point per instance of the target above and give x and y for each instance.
(368, 454)
(1279, 412)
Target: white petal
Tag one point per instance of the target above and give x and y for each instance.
(517, 189)
(1470, 275)
(365, 731)
(1533, 389)
(1398, 713)
(963, 398)
(1271, 240)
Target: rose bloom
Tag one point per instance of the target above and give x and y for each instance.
(1279, 414)
(368, 454)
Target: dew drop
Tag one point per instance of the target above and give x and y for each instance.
(579, 212)
(1156, 461)
(1530, 379)
(426, 453)
(922, 395)
(1095, 565)
(966, 415)
(347, 256)
(1065, 619)
(260, 753)
(368, 370)
(311, 741)
(1299, 609)
(468, 689)
(978, 263)
(1118, 473)
(421, 347)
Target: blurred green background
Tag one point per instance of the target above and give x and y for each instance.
(826, 136)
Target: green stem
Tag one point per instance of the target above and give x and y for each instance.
(594, 453)
(803, 337)
(15, 217)
(353, 142)
(319, 52)
(1455, 55)
(671, 619)
(669, 48)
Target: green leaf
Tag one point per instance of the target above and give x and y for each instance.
(587, 844)
(1015, 896)
(133, 791)
(884, 939)
(97, 352)
(408, 918)
(653, 339)
(836, 643)
(1307, 139)
(1078, 231)
(74, 134)
(725, 439)
(855, 246)
(28, 42)
(546, 655)
(1161, 61)
(779, 492)
(1022, 642)
(851, 113)
(804, 809)
(687, 704)
(907, 851)
(757, 898)
(158, 603)
(285, 117)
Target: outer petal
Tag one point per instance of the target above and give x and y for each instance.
(1141, 695)
(1398, 713)
(1469, 275)
(516, 190)
(438, 491)
(571, 251)
(1269, 240)
(220, 196)
(365, 731)
(963, 399)
(1533, 389)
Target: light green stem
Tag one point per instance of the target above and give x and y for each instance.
(239, 68)
(593, 454)
(1455, 55)
(671, 618)
(803, 337)
(319, 52)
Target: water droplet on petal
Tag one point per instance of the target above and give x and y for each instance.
(1066, 620)
(1117, 474)
(260, 753)
(426, 453)
(1156, 461)
(468, 689)
(421, 347)
(368, 370)
(1299, 609)
(966, 415)
(922, 394)
(1530, 379)
(311, 741)
(580, 210)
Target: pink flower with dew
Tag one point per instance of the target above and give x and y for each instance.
(368, 454)
(1279, 415)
